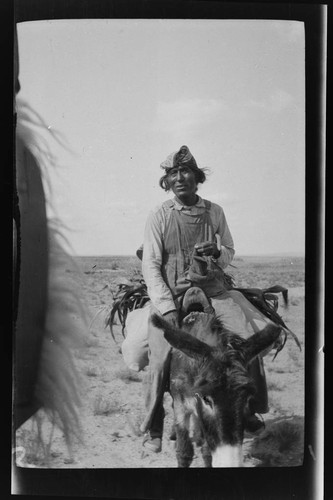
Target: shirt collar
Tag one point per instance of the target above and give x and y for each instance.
(199, 204)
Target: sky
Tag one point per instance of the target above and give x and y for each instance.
(126, 93)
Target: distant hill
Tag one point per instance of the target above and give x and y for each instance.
(238, 256)
(278, 254)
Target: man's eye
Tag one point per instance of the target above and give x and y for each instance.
(182, 171)
(187, 171)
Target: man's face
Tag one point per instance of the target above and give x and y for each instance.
(182, 181)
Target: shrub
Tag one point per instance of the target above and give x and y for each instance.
(91, 342)
(92, 371)
(134, 425)
(287, 435)
(273, 386)
(103, 406)
(278, 441)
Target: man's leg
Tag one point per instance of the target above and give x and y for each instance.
(154, 386)
(259, 403)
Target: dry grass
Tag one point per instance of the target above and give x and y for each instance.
(104, 406)
(296, 358)
(282, 369)
(127, 375)
(91, 342)
(274, 386)
(134, 424)
(92, 371)
(82, 354)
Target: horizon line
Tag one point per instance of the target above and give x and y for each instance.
(273, 254)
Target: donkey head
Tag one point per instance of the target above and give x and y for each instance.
(222, 386)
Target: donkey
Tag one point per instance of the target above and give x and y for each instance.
(210, 383)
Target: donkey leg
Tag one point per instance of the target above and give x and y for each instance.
(184, 447)
(206, 455)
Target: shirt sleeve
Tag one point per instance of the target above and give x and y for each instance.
(227, 243)
(158, 291)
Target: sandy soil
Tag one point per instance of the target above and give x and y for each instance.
(113, 400)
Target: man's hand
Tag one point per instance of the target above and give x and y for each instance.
(172, 318)
(207, 248)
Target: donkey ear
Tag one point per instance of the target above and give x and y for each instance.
(261, 340)
(181, 340)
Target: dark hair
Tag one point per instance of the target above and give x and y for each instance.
(199, 173)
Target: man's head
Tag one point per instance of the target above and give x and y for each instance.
(183, 163)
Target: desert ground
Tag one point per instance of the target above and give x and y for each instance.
(112, 403)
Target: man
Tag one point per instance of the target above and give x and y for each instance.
(187, 242)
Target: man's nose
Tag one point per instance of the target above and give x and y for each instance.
(179, 175)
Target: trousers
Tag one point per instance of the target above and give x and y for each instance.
(145, 345)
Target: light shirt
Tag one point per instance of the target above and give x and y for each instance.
(158, 290)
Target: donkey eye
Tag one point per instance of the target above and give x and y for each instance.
(208, 400)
